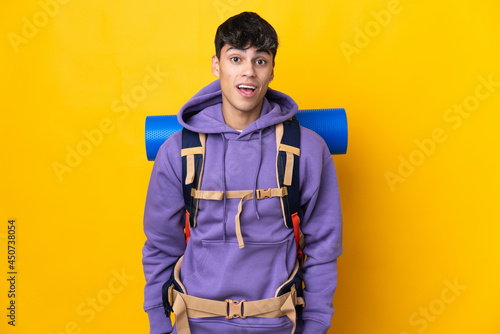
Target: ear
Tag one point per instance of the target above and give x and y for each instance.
(215, 65)
(272, 73)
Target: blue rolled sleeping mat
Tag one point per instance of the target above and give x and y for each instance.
(330, 124)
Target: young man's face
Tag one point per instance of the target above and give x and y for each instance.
(244, 76)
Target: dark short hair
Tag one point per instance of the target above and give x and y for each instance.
(246, 30)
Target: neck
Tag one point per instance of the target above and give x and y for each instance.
(238, 119)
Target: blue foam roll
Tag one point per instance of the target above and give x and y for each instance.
(158, 129)
(330, 124)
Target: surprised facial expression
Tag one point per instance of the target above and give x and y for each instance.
(244, 76)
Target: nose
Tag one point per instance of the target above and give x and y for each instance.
(248, 70)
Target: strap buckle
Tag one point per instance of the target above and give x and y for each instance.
(264, 193)
(234, 309)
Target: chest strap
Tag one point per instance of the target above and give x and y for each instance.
(245, 195)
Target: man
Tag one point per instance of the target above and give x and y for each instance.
(240, 253)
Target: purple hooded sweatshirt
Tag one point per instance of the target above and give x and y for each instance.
(214, 267)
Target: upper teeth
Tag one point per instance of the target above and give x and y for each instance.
(245, 86)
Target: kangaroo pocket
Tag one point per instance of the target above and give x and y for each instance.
(226, 271)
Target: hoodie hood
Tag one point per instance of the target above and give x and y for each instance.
(203, 112)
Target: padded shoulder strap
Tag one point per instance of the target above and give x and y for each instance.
(193, 154)
(287, 167)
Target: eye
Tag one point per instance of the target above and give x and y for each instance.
(261, 62)
(235, 59)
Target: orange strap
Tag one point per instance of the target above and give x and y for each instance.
(187, 232)
(296, 231)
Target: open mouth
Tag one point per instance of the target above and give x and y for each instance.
(246, 89)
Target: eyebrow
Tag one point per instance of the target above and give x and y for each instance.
(245, 50)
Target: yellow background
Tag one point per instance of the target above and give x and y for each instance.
(435, 225)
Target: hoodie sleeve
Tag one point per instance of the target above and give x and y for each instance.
(322, 228)
(164, 230)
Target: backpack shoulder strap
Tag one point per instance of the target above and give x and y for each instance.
(287, 166)
(287, 171)
(193, 156)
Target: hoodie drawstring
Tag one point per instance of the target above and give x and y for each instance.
(257, 176)
(224, 186)
(254, 191)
